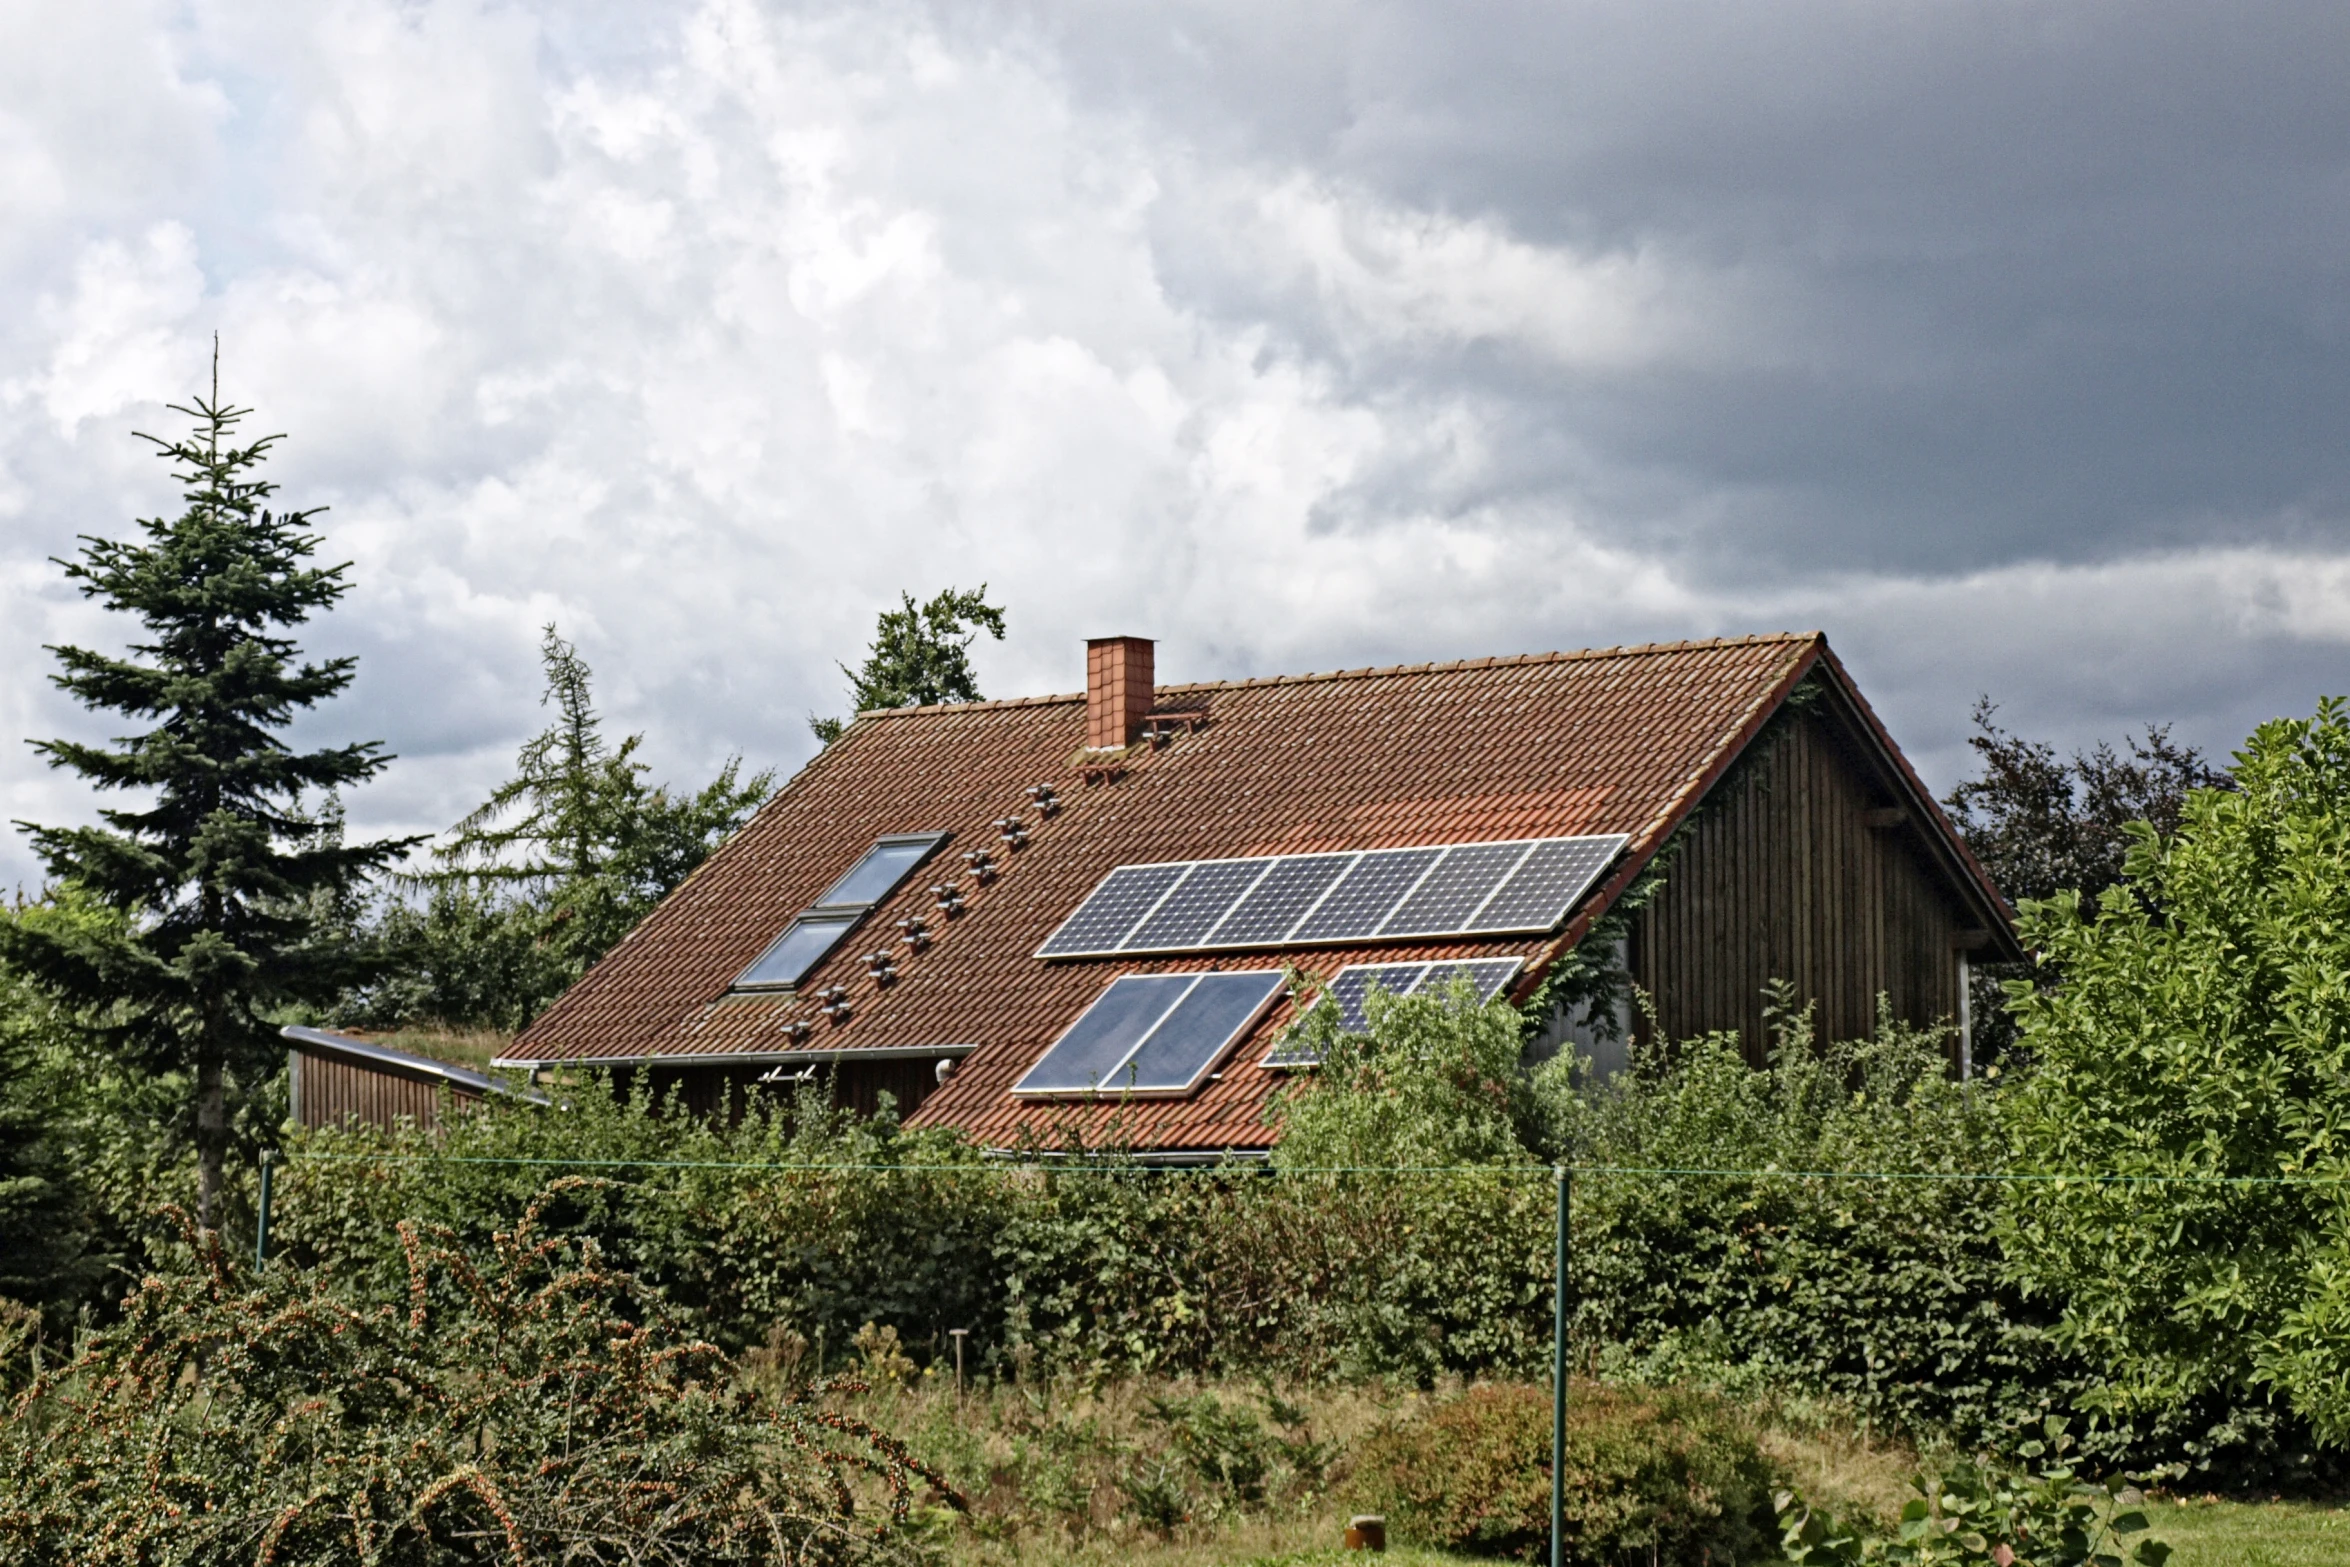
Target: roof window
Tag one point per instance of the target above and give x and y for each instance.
(1151, 1036)
(845, 903)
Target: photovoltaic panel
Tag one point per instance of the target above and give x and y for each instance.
(1553, 878)
(1485, 975)
(1526, 884)
(1365, 895)
(1350, 992)
(1458, 887)
(1274, 904)
(1192, 1038)
(1124, 897)
(1202, 898)
(1091, 1056)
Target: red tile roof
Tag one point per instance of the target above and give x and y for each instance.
(1614, 740)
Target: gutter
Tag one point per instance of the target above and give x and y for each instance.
(742, 1057)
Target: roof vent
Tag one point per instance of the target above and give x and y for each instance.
(1048, 803)
(1012, 830)
(916, 931)
(950, 898)
(1120, 690)
(982, 863)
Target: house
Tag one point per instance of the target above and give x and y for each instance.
(334, 1078)
(1071, 914)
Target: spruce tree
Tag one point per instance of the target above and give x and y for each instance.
(223, 876)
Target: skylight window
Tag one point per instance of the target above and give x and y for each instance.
(1152, 1036)
(823, 926)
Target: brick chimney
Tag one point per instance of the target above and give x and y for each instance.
(1118, 690)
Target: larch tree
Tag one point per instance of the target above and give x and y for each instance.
(223, 876)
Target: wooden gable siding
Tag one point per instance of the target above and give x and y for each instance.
(330, 1091)
(1784, 875)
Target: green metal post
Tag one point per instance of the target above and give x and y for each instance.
(1558, 1386)
(261, 1222)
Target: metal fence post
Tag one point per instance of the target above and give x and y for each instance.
(261, 1221)
(1558, 1385)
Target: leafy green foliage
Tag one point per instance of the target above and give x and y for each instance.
(1995, 1515)
(1435, 1082)
(219, 870)
(524, 1402)
(45, 1244)
(2202, 1034)
(549, 873)
(1888, 1295)
(921, 654)
(2043, 824)
(1662, 1476)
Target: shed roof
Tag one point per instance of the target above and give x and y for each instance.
(1615, 740)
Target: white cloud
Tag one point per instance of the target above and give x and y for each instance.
(705, 346)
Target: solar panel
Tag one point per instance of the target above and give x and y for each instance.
(1527, 884)
(1152, 1034)
(1350, 992)
(1272, 906)
(1190, 1040)
(1485, 975)
(1091, 1054)
(1192, 909)
(1458, 887)
(1121, 902)
(1553, 879)
(1366, 895)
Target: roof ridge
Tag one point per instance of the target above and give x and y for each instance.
(1384, 671)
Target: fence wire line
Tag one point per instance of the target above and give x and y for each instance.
(1502, 1171)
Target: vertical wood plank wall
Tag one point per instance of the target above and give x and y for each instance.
(330, 1091)
(1783, 877)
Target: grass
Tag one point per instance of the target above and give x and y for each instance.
(471, 1047)
(1051, 1470)
(2211, 1533)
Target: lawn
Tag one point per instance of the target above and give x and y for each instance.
(2254, 1534)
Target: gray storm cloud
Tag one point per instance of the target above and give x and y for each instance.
(2005, 342)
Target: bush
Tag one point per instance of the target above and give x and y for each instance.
(1673, 1476)
(525, 1404)
(1983, 1514)
(1890, 1297)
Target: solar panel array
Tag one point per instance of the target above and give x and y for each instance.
(1351, 990)
(1524, 885)
(1151, 1035)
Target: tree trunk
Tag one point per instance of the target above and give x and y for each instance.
(211, 1138)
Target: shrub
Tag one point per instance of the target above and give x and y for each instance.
(1984, 1514)
(1673, 1476)
(527, 1404)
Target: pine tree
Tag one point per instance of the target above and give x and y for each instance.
(921, 654)
(222, 874)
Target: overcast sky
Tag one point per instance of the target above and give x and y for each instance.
(2007, 342)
